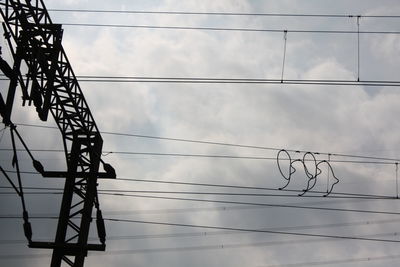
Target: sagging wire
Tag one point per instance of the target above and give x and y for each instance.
(312, 175)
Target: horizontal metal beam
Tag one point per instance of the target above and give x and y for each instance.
(55, 174)
(69, 249)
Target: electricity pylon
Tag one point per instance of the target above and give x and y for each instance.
(50, 84)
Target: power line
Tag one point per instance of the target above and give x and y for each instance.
(97, 78)
(219, 232)
(253, 81)
(188, 28)
(251, 230)
(245, 187)
(255, 204)
(259, 204)
(226, 144)
(198, 234)
(221, 13)
(276, 231)
(158, 192)
(189, 248)
(229, 157)
(230, 186)
(207, 247)
(329, 262)
(106, 153)
(225, 232)
(286, 82)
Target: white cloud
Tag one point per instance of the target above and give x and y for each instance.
(317, 118)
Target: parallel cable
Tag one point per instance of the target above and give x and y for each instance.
(260, 204)
(230, 186)
(251, 230)
(225, 232)
(220, 13)
(336, 261)
(252, 81)
(198, 248)
(106, 153)
(226, 144)
(244, 187)
(235, 194)
(189, 28)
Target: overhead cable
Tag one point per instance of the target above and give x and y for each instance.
(106, 153)
(227, 144)
(252, 81)
(254, 203)
(226, 232)
(337, 262)
(220, 13)
(251, 230)
(259, 204)
(230, 186)
(209, 247)
(232, 194)
(168, 235)
(189, 28)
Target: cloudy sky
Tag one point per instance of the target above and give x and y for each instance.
(353, 120)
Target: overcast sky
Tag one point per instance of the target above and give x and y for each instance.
(354, 120)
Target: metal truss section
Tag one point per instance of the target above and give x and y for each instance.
(50, 73)
(53, 88)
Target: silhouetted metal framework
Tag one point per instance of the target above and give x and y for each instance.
(53, 88)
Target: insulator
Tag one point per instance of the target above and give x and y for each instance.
(101, 229)
(109, 170)
(38, 166)
(42, 115)
(27, 227)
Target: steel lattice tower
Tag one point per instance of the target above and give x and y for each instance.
(53, 88)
